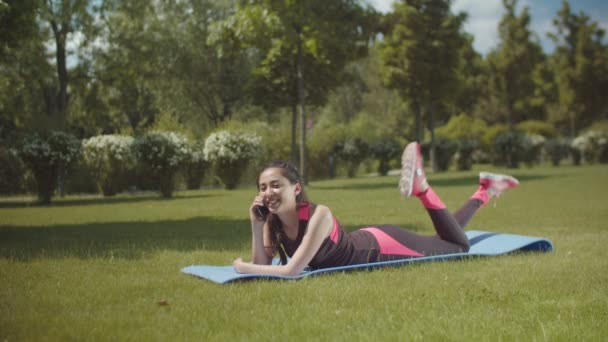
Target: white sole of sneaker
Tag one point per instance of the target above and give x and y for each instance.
(408, 163)
(498, 177)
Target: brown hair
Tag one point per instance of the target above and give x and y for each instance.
(276, 227)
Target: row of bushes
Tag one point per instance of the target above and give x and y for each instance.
(154, 160)
(114, 161)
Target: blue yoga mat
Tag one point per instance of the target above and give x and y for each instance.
(482, 244)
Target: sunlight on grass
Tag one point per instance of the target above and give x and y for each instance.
(108, 269)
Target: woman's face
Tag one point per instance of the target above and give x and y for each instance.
(278, 193)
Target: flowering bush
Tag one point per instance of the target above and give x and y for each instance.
(593, 145)
(557, 150)
(385, 151)
(230, 152)
(466, 149)
(445, 149)
(109, 157)
(353, 152)
(163, 153)
(509, 147)
(532, 145)
(195, 165)
(48, 157)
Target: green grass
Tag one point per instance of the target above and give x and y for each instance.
(108, 269)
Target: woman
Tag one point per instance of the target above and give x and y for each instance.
(310, 235)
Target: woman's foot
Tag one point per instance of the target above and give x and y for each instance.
(495, 183)
(413, 181)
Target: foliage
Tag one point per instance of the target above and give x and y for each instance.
(462, 127)
(593, 145)
(537, 127)
(11, 171)
(445, 149)
(126, 67)
(424, 35)
(352, 151)
(509, 148)
(303, 46)
(466, 150)
(110, 158)
(323, 158)
(195, 165)
(532, 148)
(385, 151)
(488, 138)
(557, 149)
(580, 66)
(47, 156)
(230, 152)
(163, 153)
(513, 63)
(467, 132)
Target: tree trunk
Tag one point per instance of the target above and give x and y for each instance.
(301, 106)
(418, 120)
(432, 147)
(61, 103)
(294, 132)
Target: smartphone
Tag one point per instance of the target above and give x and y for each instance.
(262, 213)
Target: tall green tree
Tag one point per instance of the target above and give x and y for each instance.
(24, 68)
(127, 64)
(208, 74)
(66, 18)
(580, 65)
(37, 64)
(304, 46)
(421, 55)
(512, 66)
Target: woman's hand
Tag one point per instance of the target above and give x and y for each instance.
(253, 210)
(238, 265)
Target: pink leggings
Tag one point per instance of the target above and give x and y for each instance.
(398, 243)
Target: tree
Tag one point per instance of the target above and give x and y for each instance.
(209, 70)
(421, 57)
(303, 46)
(580, 66)
(24, 68)
(512, 66)
(65, 17)
(127, 64)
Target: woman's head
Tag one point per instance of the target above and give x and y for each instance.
(280, 185)
(280, 177)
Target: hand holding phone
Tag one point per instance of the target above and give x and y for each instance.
(261, 212)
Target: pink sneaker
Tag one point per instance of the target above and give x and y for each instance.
(413, 181)
(495, 184)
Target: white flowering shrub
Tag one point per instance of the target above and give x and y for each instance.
(532, 146)
(557, 149)
(48, 157)
(163, 153)
(195, 165)
(230, 153)
(110, 158)
(593, 145)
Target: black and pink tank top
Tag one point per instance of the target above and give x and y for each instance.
(339, 248)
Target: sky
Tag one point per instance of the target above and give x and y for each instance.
(484, 16)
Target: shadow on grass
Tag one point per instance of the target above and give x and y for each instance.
(122, 239)
(391, 182)
(96, 200)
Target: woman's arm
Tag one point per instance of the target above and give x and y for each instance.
(319, 227)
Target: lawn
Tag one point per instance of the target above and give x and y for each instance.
(89, 268)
